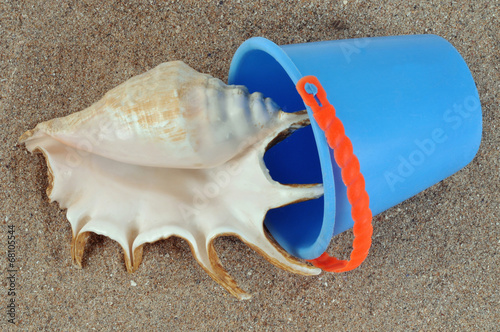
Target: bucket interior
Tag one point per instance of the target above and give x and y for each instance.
(295, 160)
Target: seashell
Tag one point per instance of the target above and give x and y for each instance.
(171, 152)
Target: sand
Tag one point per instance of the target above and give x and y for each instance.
(433, 265)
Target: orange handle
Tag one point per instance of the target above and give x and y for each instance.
(314, 96)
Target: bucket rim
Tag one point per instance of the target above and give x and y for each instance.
(315, 248)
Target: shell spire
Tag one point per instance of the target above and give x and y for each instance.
(171, 110)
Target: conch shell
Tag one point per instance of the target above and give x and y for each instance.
(171, 152)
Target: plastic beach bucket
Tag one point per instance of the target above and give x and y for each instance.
(408, 103)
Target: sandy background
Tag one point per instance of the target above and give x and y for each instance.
(433, 265)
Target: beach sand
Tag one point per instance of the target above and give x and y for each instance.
(434, 261)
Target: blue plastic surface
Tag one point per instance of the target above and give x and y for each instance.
(408, 103)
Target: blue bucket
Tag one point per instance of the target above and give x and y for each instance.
(408, 103)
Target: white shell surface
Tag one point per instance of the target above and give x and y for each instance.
(202, 178)
(171, 116)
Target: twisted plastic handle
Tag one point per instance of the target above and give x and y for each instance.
(314, 96)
